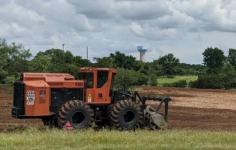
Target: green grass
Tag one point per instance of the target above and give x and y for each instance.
(164, 80)
(105, 139)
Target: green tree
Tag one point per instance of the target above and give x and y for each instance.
(17, 59)
(232, 57)
(228, 73)
(80, 62)
(58, 56)
(14, 60)
(127, 78)
(3, 57)
(151, 71)
(214, 59)
(120, 60)
(57, 60)
(104, 62)
(168, 64)
(68, 56)
(40, 63)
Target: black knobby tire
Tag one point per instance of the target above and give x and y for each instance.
(79, 114)
(126, 115)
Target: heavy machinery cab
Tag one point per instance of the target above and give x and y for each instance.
(98, 82)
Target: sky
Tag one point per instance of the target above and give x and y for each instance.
(182, 27)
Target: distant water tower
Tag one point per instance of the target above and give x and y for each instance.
(142, 52)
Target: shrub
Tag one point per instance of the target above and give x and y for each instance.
(127, 78)
(214, 82)
(9, 80)
(193, 84)
(180, 83)
(170, 76)
(152, 80)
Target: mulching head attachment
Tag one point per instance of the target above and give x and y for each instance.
(153, 117)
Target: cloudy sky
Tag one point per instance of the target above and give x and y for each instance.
(182, 27)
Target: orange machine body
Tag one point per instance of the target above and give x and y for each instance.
(45, 92)
(38, 90)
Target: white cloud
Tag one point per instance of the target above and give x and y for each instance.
(183, 27)
(136, 28)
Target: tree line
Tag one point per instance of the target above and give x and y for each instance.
(15, 59)
(220, 69)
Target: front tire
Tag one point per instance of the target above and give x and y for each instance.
(126, 115)
(79, 114)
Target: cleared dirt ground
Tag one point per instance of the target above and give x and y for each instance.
(6, 121)
(198, 108)
(189, 109)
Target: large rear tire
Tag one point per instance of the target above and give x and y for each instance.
(126, 115)
(77, 113)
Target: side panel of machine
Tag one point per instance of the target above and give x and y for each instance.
(31, 99)
(60, 95)
(37, 101)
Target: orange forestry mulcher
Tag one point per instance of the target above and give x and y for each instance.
(58, 98)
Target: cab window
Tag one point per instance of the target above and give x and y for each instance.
(88, 78)
(102, 78)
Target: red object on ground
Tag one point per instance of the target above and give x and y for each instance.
(68, 126)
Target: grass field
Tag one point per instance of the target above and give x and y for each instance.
(164, 80)
(105, 139)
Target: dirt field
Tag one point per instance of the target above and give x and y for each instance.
(198, 108)
(189, 109)
(6, 121)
